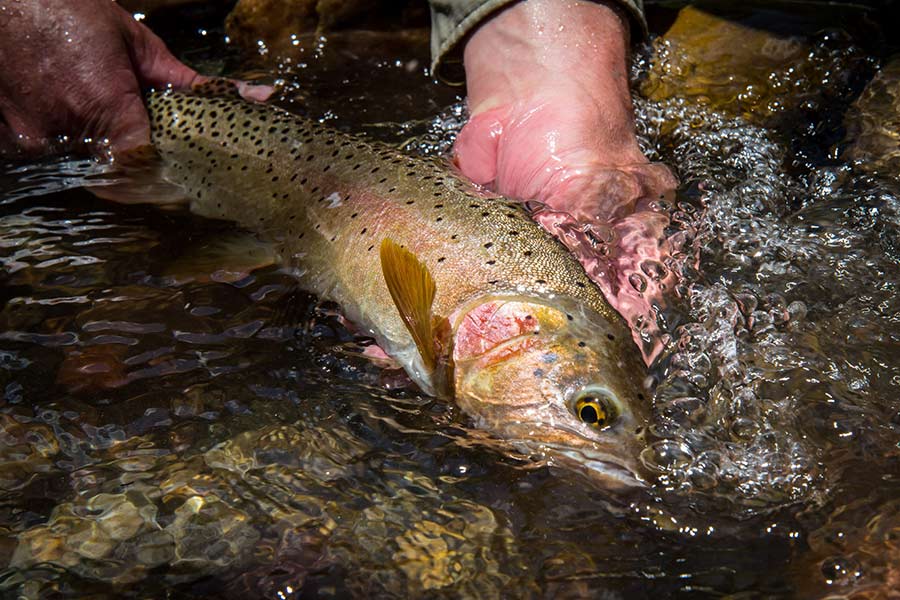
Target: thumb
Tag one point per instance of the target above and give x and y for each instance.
(154, 65)
(476, 148)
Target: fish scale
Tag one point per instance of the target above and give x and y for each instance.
(328, 200)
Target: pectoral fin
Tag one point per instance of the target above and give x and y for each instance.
(136, 177)
(222, 257)
(413, 289)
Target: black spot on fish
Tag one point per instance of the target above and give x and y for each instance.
(581, 344)
(364, 230)
(580, 284)
(492, 262)
(527, 253)
(610, 337)
(442, 259)
(540, 281)
(489, 244)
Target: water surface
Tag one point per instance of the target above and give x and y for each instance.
(165, 431)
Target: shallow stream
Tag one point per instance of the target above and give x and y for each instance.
(166, 433)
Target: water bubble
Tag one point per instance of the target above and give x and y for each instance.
(666, 455)
(841, 570)
(686, 412)
(654, 269)
(638, 282)
(796, 311)
(744, 428)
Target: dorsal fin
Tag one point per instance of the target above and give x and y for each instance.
(216, 87)
(220, 87)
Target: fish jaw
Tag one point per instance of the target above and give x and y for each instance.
(524, 366)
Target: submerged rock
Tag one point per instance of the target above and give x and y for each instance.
(873, 124)
(756, 65)
(278, 26)
(261, 511)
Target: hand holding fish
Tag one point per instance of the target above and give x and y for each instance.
(551, 115)
(552, 121)
(75, 71)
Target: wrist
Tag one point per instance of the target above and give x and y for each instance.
(539, 48)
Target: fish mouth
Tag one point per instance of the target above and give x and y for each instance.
(608, 467)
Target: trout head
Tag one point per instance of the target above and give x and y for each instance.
(561, 382)
(550, 375)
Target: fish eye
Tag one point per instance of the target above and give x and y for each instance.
(596, 410)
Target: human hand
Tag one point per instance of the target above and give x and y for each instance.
(551, 115)
(74, 71)
(552, 120)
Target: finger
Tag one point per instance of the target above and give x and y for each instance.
(158, 68)
(254, 92)
(131, 127)
(7, 140)
(20, 137)
(656, 182)
(476, 148)
(155, 66)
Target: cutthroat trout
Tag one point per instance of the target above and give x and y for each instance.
(473, 298)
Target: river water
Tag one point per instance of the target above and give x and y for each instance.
(169, 432)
